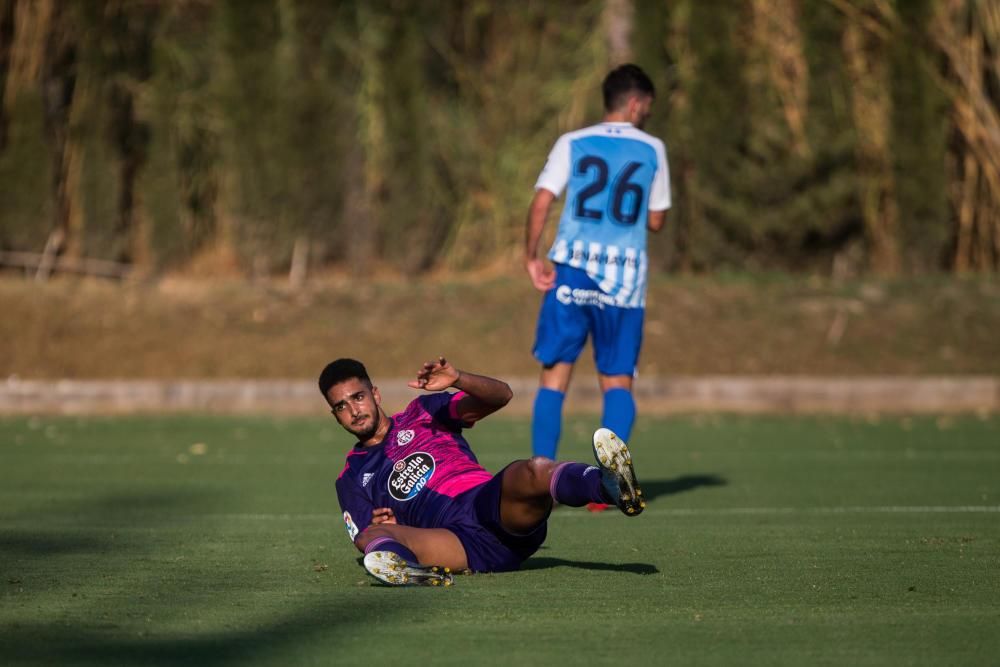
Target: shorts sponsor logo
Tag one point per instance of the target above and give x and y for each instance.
(584, 297)
(352, 530)
(404, 437)
(410, 475)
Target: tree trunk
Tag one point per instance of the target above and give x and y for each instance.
(7, 8)
(872, 106)
(300, 263)
(619, 16)
(58, 81)
(366, 175)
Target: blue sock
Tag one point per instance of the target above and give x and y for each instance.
(546, 422)
(619, 412)
(576, 484)
(389, 544)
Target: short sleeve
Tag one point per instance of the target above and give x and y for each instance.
(441, 407)
(659, 195)
(355, 506)
(555, 173)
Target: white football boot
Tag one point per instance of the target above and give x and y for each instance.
(617, 473)
(395, 570)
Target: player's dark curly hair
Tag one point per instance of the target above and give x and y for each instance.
(340, 370)
(623, 81)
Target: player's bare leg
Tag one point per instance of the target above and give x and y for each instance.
(432, 546)
(526, 499)
(608, 382)
(557, 376)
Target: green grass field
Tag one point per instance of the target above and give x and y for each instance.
(777, 541)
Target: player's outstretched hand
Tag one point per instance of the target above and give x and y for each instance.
(435, 375)
(542, 277)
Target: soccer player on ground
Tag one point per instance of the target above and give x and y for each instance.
(617, 186)
(416, 501)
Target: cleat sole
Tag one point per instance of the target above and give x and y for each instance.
(620, 481)
(392, 569)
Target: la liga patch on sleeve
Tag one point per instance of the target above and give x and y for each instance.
(352, 529)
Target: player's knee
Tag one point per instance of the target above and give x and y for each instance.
(540, 470)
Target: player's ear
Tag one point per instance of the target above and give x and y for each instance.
(377, 396)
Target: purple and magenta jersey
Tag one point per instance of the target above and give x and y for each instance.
(418, 470)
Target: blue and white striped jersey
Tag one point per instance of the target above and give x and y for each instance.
(613, 174)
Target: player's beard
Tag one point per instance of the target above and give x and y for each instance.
(367, 433)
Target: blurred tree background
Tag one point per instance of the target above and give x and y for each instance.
(258, 137)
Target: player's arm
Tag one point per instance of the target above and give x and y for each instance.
(656, 220)
(542, 277)
(483, 395)
(659, 196)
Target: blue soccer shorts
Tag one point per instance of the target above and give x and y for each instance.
(575, 308)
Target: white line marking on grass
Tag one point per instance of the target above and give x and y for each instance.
(703, 511)
(776, 511)
(9, 522)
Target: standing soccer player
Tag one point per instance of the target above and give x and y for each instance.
(617, 186)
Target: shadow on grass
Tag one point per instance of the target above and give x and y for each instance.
(62, 575)
(87, 526)
(667, 487)
(33, 543)
(52, 644)
(546, 562)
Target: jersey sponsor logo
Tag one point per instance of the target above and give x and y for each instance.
(603, 257)
(367, 477)
(410, 475)
(404, 437)
(352, 529)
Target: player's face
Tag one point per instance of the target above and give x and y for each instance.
(356, 406)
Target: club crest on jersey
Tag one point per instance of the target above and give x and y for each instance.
(404, 437)
(352, 530)
(410, 475)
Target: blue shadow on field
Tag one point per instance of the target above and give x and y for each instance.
(667, 487)
(546, 562)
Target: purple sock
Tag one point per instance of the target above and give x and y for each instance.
(389, 544)
(576, 484)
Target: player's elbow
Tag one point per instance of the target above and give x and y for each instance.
(505, 395)
(499, 396)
